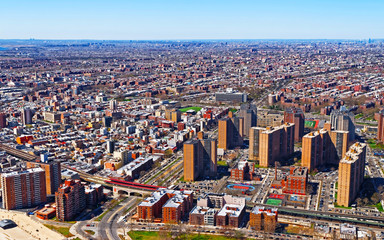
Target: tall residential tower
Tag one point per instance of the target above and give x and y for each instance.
(296, 116)
(200, 159)
(249, 113)
(351, 174)
(23, 189)
(273, 143)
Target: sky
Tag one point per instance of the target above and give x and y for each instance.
(192, 19)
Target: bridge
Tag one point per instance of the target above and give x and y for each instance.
(119, 187)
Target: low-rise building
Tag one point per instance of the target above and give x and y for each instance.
(165, 205)
(46, 213)
(132, 170)
(203, 216)
(244, 171)
(52, 117)
(296, 181)
(262, 218)
(230, 215)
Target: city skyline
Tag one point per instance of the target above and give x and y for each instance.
(174, 20)
(192, 119)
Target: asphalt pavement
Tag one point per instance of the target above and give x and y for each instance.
(106, 223)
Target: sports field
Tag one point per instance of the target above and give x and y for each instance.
(196, 109)
(311, 123)
(275, 202)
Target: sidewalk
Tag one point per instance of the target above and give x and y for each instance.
(51, 222)
(121, 232)
(31, 227)
(73, 231)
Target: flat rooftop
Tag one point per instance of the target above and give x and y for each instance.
(315, 133)
(353, 153)
(231, 210)
(262, 209)
(27, 171)
(273, 129)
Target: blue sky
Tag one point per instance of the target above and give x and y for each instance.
(193, 19)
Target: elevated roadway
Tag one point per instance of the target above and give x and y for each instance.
(332, 216)
(83, 175)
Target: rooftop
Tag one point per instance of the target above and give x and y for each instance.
(353, 153)
(273, 129)
(299, 171)
(231, 210)
(6, 223)
(262, 209)
(156, 196)
(203, 210)
(315, 133)
(27, 171)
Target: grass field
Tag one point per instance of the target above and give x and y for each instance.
(375, 145)
(360, 115)
(62, 230)
(338, 206)
(258, 166)
(144, 235)
(368, 124)
(370, 119)
(71, 222)
(90, 232)
(275, 202)
(196, 109)
(222, 163)
(379, 207)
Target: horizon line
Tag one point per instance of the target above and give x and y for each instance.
(186, 39)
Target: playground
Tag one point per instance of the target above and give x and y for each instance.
(239, 186)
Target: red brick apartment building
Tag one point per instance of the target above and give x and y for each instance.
(203, 216)
(244, 171)
(52, 174)
(296, 181)
(262, 218)
(230, 215)
(70, 200)
(165, 205)
(22, 189)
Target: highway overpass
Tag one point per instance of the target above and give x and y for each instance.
(83, 175)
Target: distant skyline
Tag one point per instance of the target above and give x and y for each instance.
(197, 19)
